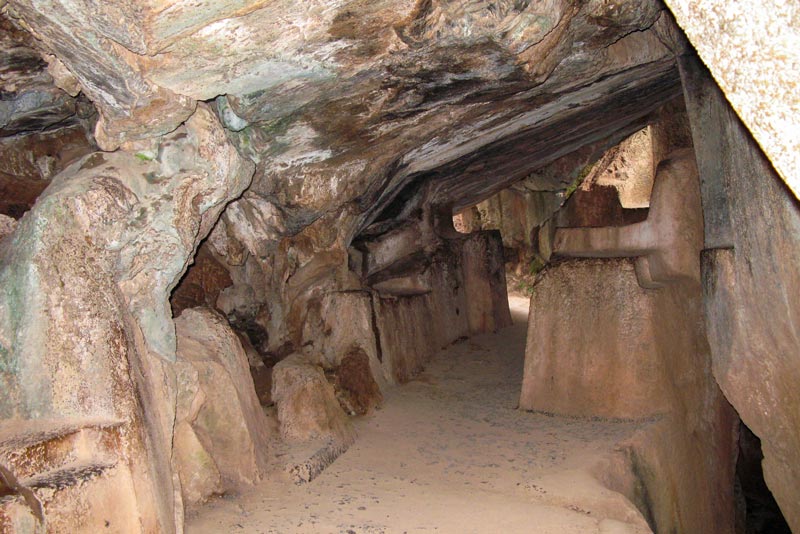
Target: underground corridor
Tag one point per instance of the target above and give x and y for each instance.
(393, 267)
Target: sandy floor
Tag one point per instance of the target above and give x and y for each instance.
(449, 453)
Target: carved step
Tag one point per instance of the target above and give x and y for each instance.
(35, 446)
(38, 503)
(70, 475)
(44, 464)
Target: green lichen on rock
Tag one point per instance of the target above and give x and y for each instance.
(584, 172)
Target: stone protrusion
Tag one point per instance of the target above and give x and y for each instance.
(667, 245)
(85, 325)
(64, 476)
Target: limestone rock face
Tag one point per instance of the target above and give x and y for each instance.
(356, 389)
(95, 50)
(629, 168)
(364, 126)
(202, 284)
(517, 212)
(7, 225)
(31, 101)
(644, 356)
(42, 128)
(425, 85)
(221, 430)
(31, 160)
(145, 65)
(85, 325)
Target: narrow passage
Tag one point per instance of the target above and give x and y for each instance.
(449, 452)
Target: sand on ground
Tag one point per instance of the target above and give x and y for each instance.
(449, 452)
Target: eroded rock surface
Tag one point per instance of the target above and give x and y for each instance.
(221, 431)
(307, 405)
(7, 225)
(612, 349)
(591, 316)
(85, 325)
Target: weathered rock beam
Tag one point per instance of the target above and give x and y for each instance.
(491, 159)
(111, 75)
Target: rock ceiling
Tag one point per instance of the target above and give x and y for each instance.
(345, 105)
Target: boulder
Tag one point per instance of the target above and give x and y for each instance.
(221, 431)
(356, 389)
(753, 57)
(306, 402)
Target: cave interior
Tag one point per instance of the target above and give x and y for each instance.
(259, 257)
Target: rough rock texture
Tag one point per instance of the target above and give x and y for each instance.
(7, 225)
(30, 100)
(307, 405)
(515, 211)
(221, 430)
(347, 328)
(592, 317)
(750, 281)
(85, 325)
(65, 476)
(31, 160)
(42, 128)
(313, 424)
(94, 49)
(144, 66)
(368, 124)
(629, 168)
(357, 109)
(754, 57)
(597, 206)
(202, 284)
(356, 389)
